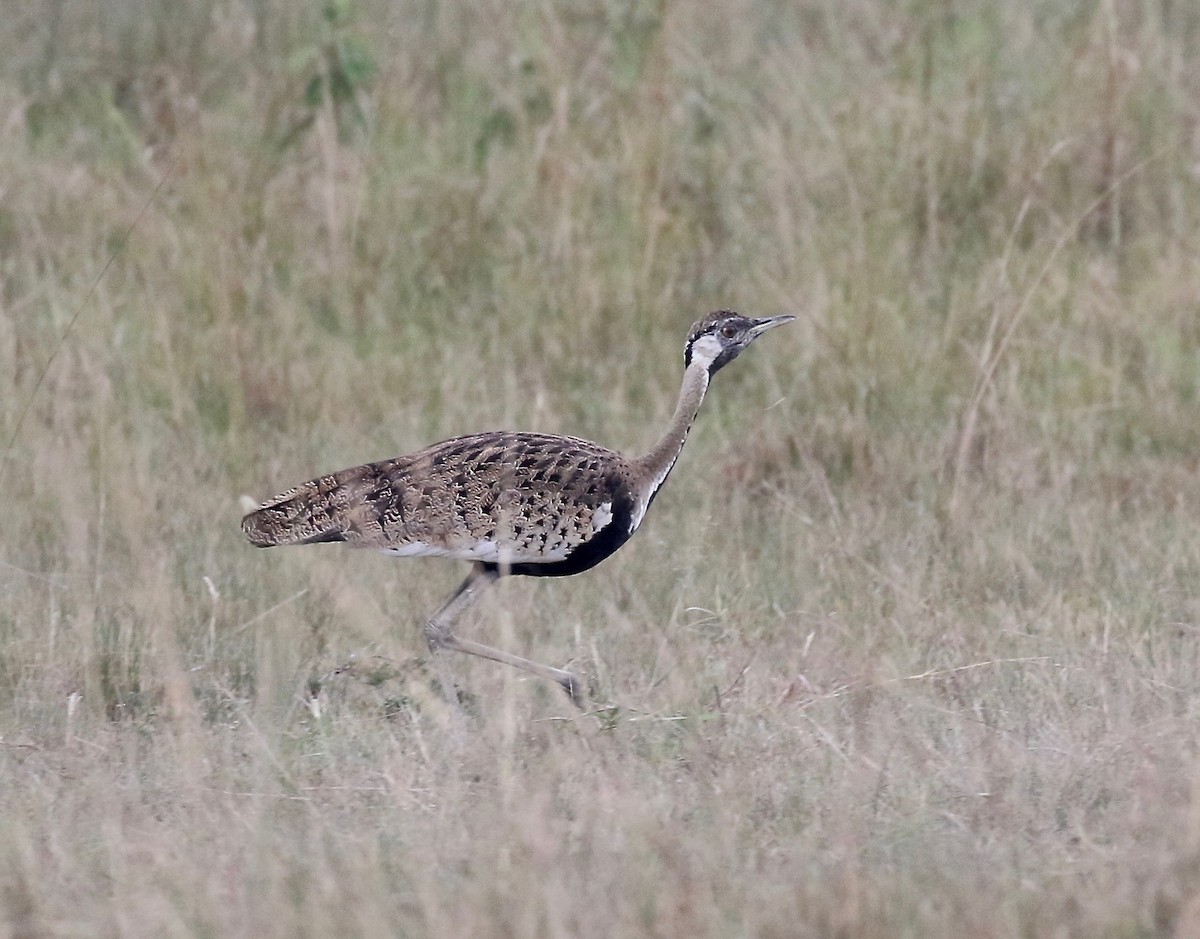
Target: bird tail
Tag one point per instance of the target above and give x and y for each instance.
(311, 513)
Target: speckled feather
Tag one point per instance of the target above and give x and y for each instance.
(535, 503)
(513, 503)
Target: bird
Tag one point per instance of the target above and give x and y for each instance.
(512, 503)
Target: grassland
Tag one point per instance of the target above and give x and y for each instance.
(909, 645)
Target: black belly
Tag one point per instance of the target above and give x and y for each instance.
(584, 557)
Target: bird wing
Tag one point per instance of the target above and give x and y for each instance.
(495, 497)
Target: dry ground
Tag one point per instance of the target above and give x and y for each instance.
(908, 646)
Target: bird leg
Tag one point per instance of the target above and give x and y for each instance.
(439, 636)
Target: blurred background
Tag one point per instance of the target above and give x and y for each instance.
(907, 645)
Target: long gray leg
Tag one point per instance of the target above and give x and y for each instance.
(439, 636)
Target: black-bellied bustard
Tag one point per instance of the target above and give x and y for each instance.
(513, 503)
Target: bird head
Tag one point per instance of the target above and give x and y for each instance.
(720, 337)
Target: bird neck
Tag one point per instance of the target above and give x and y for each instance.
(656, 465)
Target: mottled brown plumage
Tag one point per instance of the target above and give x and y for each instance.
(501, 497)
(514, 503)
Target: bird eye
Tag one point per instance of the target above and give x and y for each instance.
(729, 331)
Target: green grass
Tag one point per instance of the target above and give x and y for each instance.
(908, 645)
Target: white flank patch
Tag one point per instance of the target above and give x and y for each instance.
(483, 551)
(414, 549)
(487, 551)
(602, 516)
(480, 551)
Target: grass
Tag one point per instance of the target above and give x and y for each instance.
(909, 644)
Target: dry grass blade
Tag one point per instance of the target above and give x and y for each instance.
(29, 398)
(833, 713)
(995, 350)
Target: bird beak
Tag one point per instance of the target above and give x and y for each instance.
(761, 326)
